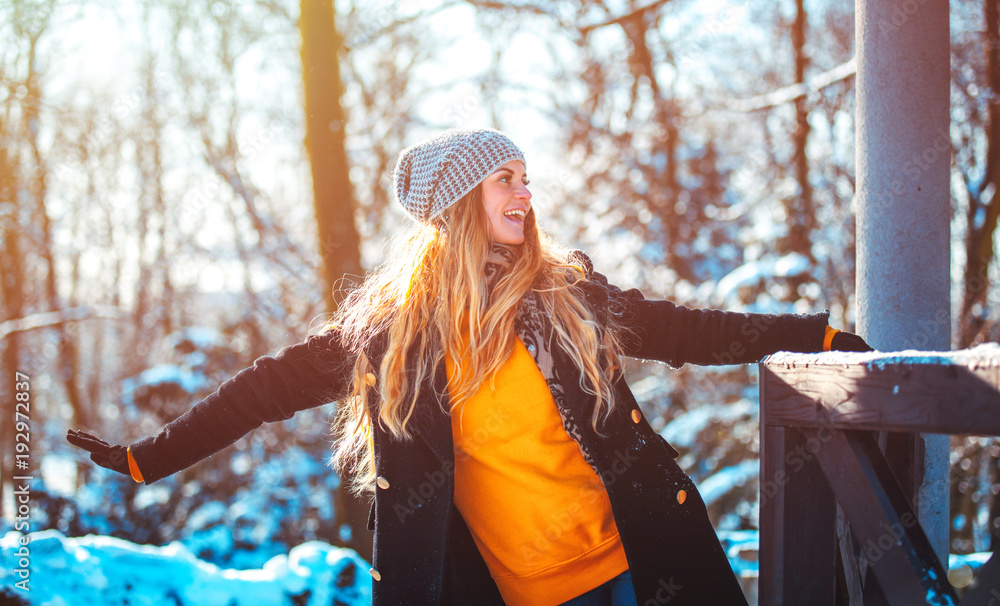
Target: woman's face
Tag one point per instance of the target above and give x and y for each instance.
(507, 202)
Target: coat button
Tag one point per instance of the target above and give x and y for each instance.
(531, 347)
(370, 379)
(382, 482)
(682, 496)
(375, 574)
(636, 415)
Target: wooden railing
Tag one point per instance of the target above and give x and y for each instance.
(831, 504)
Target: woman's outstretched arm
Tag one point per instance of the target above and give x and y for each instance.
(678, 335)
(300, 376)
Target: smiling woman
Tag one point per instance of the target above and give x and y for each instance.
(484, 406)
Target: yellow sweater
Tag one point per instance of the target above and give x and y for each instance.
(538, 513)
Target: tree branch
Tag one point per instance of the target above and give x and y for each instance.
(47, 319)
(795, 91)
(525, 8)
(639, 11)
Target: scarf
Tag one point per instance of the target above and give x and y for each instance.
(534, 328)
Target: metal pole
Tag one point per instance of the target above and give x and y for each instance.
(903, 240)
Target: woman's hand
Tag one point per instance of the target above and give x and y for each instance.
(113, 457)
(846, 341)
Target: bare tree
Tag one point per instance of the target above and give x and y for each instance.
(333, 195)
(801, 215)
(381, 94)
(12, 262)
(325, 127)
(975, 506)
(982, 191)
(26, 183)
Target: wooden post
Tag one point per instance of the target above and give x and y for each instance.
(797, 520)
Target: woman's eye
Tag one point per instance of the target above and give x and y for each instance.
(510, 178)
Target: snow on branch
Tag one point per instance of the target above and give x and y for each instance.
(47, 319)
(528, 8)
(540, 9)
(795, 91)
(639, 11)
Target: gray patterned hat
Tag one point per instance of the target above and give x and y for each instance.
(434, 174)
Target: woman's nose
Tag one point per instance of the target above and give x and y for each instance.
(523, 193)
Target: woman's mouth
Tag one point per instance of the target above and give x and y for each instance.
(515, 215)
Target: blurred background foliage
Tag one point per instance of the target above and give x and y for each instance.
(186, 185)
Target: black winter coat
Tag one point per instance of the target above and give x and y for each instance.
(424, 553)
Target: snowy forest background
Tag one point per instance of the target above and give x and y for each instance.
(186, 185)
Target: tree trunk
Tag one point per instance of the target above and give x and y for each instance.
(801, 219)
(984, 212)
(979, 246)
(333, 196)
(11, 293)
(151, 169)
(664, 178)
(67, 362)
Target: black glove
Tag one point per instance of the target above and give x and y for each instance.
(113, 457)
(846, 341)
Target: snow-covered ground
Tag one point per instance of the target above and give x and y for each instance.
(96, 570)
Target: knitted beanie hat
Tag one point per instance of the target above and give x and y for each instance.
(434, 174)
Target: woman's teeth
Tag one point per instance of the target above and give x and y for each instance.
(515, 214)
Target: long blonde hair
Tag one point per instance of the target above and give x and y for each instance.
(430, 299)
